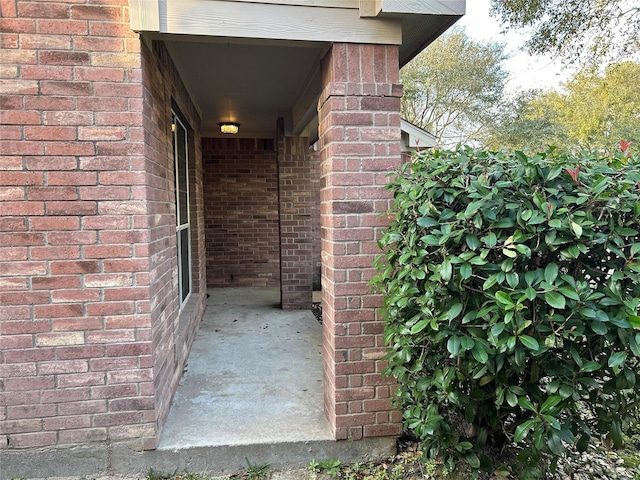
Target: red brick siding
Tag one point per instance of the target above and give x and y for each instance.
(75, 328)
(316, 244)
(241, 212)
(172, 331)
(360, 142)
(296, 209)
(88, 268)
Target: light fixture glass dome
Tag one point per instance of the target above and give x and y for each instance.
(229, 127)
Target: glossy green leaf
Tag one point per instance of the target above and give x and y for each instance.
(520, 357)
(617, 359)
(472, 241)
(522, 430)
(569, 293)
(467, 343)
(525, 403)
(616, 434)
(490, 282)
(627, 232)
(529, 342)
(454, 311)
(472, 459)
(555, 299)
(550, 403)
(553, 421)
(504, 223)
(555, 444)
(565, 390)
(479, 353)
(473, 207)
(551, 273)
(453, 346)
(497, 329)
(575, 228)
(466, 271)
(464, 446)
(428, 222)
(504, 298)
(583, 443)
(591, 367)
(599, 327)
(419, 326)
(490, 240)
(446, 270)
(512, 279)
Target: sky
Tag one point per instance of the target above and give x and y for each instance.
(526, 72)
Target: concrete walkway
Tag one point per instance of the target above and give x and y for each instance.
(254, 376)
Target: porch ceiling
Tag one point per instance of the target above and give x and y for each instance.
(248, 82)
(255, 81)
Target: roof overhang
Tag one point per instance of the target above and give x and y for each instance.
(253, 61)
(414, 137)
(411, 24)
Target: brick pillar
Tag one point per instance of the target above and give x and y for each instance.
(316, 244)
(294, 187)
(359, 115)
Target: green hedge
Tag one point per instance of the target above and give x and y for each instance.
(511, 292)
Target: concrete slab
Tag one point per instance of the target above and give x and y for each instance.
(119, 462)
(254, 376)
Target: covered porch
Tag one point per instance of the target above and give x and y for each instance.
(313, 87)
(254, 375)
(253, 389)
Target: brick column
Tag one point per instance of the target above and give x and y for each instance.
(359, 115)
(294, 177)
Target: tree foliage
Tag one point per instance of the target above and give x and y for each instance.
(511, 291)
(453, 86)
(525, 124)
(594, 112)
(578, 30)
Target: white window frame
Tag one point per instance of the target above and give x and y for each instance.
(177, 123)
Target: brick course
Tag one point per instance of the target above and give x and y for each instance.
(359, 143)
(241, 205)
(295, 207)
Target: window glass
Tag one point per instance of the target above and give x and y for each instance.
(181, 141)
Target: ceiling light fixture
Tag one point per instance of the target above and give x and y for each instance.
(229, 127)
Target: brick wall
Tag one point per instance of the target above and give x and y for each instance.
(359, 116)
(316, 244)
(74, 321)
(241, 212)
(296, 209)
(86, 277)
(173, 331)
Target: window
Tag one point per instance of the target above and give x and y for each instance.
(183, 228)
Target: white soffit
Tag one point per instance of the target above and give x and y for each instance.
(417, 137)
(423, 7)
